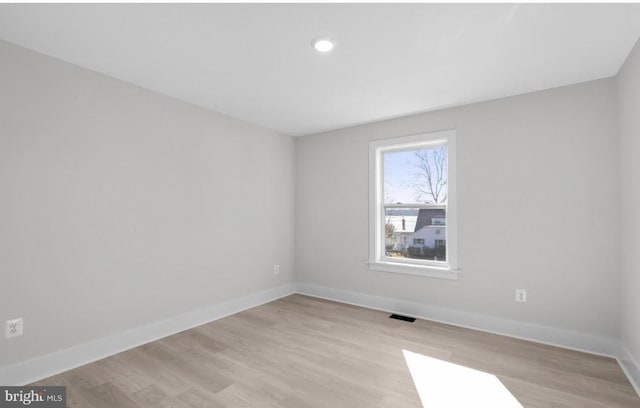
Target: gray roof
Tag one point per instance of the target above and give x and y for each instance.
(426, 216)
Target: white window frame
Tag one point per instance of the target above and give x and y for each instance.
(377, 259)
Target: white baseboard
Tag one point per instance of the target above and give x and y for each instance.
(603, 346)
(41, 367)
(45, 366)
(630, 367)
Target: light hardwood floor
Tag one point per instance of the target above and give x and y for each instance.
(301, 352)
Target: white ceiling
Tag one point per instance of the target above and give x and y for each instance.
(254, 61)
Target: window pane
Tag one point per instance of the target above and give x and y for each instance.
(412, 233)
(416, 176)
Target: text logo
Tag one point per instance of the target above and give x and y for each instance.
(36, 397)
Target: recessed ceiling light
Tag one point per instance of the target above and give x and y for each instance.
(323, 44)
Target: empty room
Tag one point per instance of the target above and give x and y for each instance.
(320, 205)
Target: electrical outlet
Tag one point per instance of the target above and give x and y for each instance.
(521, 295)
(276, 269)
(13, 328)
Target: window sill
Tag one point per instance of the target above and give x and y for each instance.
(417, 270)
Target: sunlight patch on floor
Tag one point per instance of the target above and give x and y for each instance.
(441, 384)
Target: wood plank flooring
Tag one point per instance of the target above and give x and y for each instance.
(301, 352)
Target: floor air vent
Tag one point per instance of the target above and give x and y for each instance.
(404, 318)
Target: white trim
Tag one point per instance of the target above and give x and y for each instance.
(407, 268)
(600, 345)
(377, 261)
(630, 367)
(45, 366)
(415, 205)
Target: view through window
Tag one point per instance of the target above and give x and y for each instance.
(415, 203)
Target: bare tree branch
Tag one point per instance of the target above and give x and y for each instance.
(430, 183)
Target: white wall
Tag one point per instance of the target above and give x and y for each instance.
(119, 207)
(537, 184)
(628, 82)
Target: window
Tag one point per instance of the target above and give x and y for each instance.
(413, 205)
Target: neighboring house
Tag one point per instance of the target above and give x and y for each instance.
(402, 240)
(430, 216)
(430, 230)
(431, 236)
(403, 226)
(406, 223)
